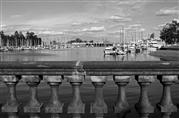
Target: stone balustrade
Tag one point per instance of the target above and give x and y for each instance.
(75, 73)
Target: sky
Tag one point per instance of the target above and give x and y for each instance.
(105, 19)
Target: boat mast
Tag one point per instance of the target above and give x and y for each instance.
(124, 35)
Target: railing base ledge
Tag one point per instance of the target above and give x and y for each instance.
(7, 108)
(33, 109)
(167, 108)
(97, 109)
(76, 109)
(54, 109)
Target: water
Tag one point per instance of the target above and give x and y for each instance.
(73, 54)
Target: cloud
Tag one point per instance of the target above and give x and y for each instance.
(45, 21)
(21, 27)
(50, 32)
(119, 18)
(76, 23)
(168, 12)
(135, 25)
(50, 21)
(84, 23)
(10, 29)
(133, 4)
(141, 30)
(3, 25)
(118, 32)
(93, 29)
(161, 25)
(121, 3)
(16, 16)
(157, 28)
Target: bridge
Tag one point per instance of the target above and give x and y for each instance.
(76, 73)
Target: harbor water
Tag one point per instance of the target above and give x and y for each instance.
(73, 54)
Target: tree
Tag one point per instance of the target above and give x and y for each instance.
(1, 37)
(91, 41)
(77, 40)
(18, 39)
(39, 41)
(30, 38)
(22, 39)
(170, 32)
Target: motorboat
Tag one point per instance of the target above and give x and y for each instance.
(155, 44)
(110, 51)
(113, 51)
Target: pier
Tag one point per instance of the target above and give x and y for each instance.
(76, 73)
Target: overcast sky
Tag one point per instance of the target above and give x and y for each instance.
(95, 17)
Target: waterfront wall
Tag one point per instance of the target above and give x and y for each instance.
(32, 73)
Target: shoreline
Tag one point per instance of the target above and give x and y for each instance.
(166, 55)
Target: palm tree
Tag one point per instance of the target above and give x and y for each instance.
(30, 38)
(39, 41)
(11, 40)
(27, 39)
(22, 38)
(2, 36)
(8, 40)
(16, 37)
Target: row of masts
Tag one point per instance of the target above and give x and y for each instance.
(127, 36)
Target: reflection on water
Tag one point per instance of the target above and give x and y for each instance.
(83, 54)
(144, 56)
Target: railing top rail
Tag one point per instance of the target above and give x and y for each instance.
(99, 68)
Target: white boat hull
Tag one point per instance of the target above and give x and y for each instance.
(152, 49)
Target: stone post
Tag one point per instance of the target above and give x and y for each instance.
(166, 105)
(143, 107)
(121, 105)
(54, 105)
(99, 106)
(33, 106)
(12, 104)
(76, 107)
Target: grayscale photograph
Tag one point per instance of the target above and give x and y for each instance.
(89, 58)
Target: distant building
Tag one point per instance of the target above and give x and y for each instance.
(79, 44)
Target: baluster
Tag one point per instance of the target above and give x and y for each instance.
(76, 107)
(54, 106)
(12, 105)
(121, 105)
(143, 107)
(33, 106)
(99, 106)
(166, 105)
